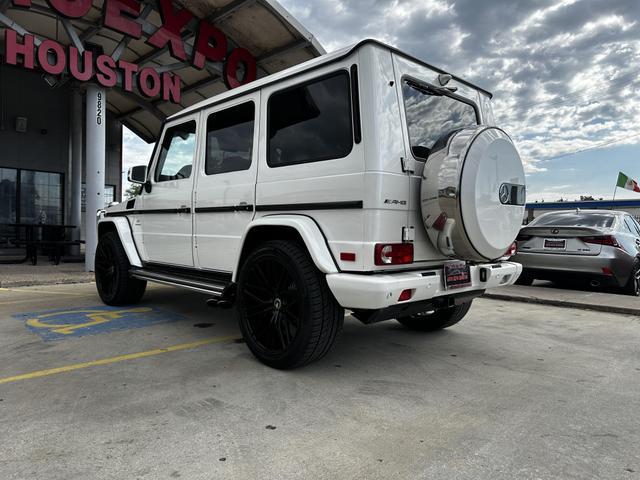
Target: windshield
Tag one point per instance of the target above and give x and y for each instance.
(575, 220)
(431, 114)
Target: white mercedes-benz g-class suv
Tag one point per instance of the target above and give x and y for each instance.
(364, 180)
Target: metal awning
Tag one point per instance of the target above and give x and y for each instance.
(263, 27)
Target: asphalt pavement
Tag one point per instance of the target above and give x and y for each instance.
(167, 390)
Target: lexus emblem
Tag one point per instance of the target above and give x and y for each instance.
(555, 231)
(505, 194)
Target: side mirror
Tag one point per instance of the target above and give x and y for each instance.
(137, 174)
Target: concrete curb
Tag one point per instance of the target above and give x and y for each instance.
(41, 283)
(564, 303)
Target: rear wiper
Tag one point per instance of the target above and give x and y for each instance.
(428, 89)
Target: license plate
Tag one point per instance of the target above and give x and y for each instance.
(555, 244)
(456, 275)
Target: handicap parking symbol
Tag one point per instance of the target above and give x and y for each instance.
(78, 322)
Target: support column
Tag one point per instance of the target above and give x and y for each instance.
(96, 103)
(75, 214)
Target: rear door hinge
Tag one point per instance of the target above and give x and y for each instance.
(407, 165)
(408, 234)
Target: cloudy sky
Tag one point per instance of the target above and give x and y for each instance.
(565, 74)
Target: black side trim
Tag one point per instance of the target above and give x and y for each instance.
(119, 214)
(148, 212)
(131, 204)
(285, 207)
(232, 208)
(189, 273)
(355, 104)
(354, 205)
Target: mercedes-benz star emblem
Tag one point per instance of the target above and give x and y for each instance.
(505, 193)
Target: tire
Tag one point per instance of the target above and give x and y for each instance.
(287, 314)
(436, 320)
(525, 278)
(115, 286)
(633, 284)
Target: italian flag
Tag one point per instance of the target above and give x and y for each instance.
(628, 183)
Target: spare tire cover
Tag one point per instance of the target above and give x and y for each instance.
(473, 194)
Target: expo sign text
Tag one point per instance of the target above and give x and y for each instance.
(210, 45)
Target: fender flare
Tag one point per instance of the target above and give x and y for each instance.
(308, 230)
(124, 232)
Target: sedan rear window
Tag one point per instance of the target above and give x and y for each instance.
(575, 220)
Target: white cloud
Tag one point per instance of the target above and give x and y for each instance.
(565, 74)
(135, 151)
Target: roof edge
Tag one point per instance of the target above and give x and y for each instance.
(311, 65)
(277, 9)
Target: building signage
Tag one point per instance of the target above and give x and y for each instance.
(120, 16)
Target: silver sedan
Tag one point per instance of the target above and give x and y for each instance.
(597, 246)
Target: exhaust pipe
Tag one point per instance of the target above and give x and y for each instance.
(595, 283)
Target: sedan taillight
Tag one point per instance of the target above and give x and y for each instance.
(608, 240)
(393, 253)
(513, 249)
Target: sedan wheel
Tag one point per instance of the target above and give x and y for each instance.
(633, 285)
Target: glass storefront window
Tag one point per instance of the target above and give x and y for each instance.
(41, 197)
(8, 189)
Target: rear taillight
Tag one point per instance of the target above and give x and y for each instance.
(608, 240)
(393, 253)
(405, 296)
(513, 249)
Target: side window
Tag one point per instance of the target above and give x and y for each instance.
(310, 122)
(230, 139)
(631, 225)
(635, 224)
(176, 154)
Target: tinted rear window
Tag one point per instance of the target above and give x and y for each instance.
(575, 220)
(431, 115)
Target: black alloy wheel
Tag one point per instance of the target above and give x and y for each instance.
(115, 286)
(105, 270)
(273, 305)
(288, 315)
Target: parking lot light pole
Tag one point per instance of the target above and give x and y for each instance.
(96, 102)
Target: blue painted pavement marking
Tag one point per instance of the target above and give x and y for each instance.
(81, 321)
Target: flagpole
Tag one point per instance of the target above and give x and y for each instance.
(614, 193)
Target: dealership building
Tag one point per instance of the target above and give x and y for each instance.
(73, 72)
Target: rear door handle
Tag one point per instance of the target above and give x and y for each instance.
(244, 207)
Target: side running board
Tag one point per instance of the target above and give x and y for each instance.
(216, 289)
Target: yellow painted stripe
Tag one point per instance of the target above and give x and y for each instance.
(121, 358)
(13, 302)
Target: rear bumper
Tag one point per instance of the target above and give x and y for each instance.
(587, 267)
(373, 292)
